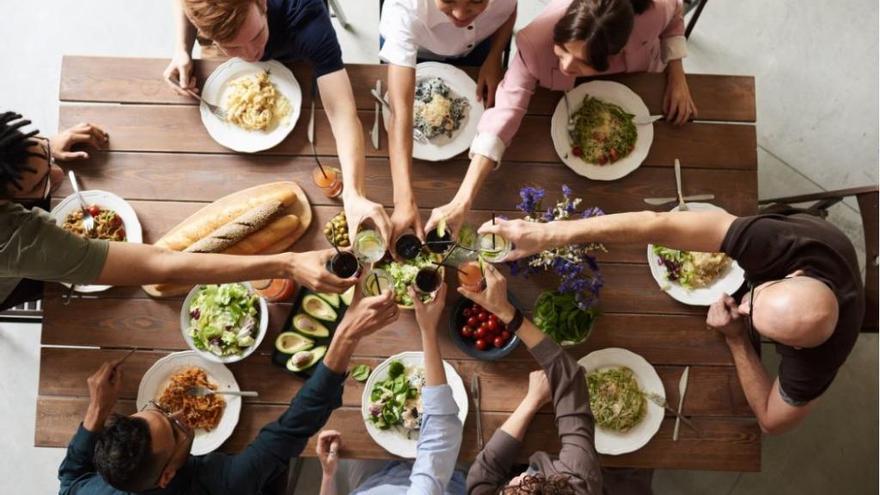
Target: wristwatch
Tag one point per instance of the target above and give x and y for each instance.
(516, 322)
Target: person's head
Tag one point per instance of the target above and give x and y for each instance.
(27, 172)
(592, 30)
(238, 27)
(142, 451)
(798, 310)
(538, 484)
(462, 12)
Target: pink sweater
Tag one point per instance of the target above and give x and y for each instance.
(657, 37)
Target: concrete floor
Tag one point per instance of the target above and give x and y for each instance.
(817, 78)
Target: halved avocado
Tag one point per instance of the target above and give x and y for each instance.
(347, 296)
(333, 299)
(307, 325)
(292, 342)
(318, 308)
(304, 360)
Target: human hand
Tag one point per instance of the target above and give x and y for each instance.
(487, 80)
(83, 133)
(358, 209)
(179, 72)
(309, 269)
(327, 447)
(539, 392)
(104, 388)
(494, 296)
(724, 317)
(366, 315)
(405, 216)
(526, 238)
(428, 314)
(678, 105)
(453, 213)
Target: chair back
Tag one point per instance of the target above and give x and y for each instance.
(868, 209)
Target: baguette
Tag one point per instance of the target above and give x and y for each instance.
(205, 224)
(266, 237)
(236, 230)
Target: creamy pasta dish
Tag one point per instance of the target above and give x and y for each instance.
(255, 104)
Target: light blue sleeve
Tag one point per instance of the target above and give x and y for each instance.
(439, 441)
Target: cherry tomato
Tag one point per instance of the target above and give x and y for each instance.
(466, 312)
(467, 332)
(94, 210)
(483, 316)
(480, 333)
(121, 233)
(499, 342)
(577, 151)
(473, 322)
(505, 335)
(492, 317)
(492, 324)
(481, 344)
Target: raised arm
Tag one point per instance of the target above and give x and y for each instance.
(401, 92)
(692, 231)
(338, 100)
(179, 70)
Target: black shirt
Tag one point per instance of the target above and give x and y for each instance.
(769, 247)
(301, 30)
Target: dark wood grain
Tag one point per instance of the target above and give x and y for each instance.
(178, 128)
(729, 444)
(139, 80)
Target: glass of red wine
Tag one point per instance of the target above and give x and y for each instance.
(344, 264)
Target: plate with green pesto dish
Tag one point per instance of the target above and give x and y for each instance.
(620, 382)
(309, 329)
(601, 140)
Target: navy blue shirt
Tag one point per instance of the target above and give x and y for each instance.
(301, 30)
(246, 473)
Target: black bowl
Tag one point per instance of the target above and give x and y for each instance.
(457, 320)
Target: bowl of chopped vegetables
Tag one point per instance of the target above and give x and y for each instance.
(403, 275)
(224, 323)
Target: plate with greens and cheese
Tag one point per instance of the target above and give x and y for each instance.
(619, 381)
(601, 140)
(224, 323)
(392, 401)
(403, 275)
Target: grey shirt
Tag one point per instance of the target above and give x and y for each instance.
(33, 246)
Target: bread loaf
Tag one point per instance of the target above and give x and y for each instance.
(266, 237)
(236, 230)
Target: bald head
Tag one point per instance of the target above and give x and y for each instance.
(799, 311)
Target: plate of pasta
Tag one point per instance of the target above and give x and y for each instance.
(262, 101)
(212, 417)
(115, 220)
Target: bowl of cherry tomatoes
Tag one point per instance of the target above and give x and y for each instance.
(479, 333)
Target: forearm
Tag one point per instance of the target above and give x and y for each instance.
(502, 36)
(756, 384)
(528, 332)
(140, 264)
(339, 105)
(401, 92)
(518, 422)
(94, 418)
(341, 348)
(434, 372)
(328, 485)
(186, 32)
(478, 170)
(675, 69)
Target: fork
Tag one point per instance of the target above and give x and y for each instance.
(197, 391)
(417, 134)
(682, 206)
(88, 219)
(215, 109)
(569, 126)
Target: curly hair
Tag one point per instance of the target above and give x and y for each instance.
(604, 25)
(123, 454)
(15, 148)
(538, 484)
(218, 20)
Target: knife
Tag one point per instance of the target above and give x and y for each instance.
(660, 401)
(670, 199)
(377, 109)
(682, 389)
(475, 393)
(645, 120)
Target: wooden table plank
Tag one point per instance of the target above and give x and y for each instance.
(170, 177)
(178, 128)
(731, 444)
(139, 80)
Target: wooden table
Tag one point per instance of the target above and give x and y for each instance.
(163, 162)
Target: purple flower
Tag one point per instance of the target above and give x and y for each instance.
(531, 199)
(566, 191)
(592, 211)
(549, 215)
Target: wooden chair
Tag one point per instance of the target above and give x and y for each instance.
(867, 198)
(691, 5)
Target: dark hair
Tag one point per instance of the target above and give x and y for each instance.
(123, 454)
(538, 484)
(604, 25)
(14, 150)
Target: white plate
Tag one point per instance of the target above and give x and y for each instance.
(232, 136)
(611, 92)
(615, 443)
(728, 283)
(441, 147)
(393, 440)
(110, 201)
(156, 378)
(261, 329)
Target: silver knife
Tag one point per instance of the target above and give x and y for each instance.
(660, 401)
(682, 389)
(670, 199)
(648, 119)
(377, 109)
(475, 393)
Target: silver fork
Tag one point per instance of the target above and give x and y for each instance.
(88, 219)
(682, 206)
(569, 125)
(417, 134)
(197, 391)
(215, 109)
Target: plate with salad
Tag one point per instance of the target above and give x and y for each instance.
(619, 381)
(403, 275)
(692, 277)
(224, 323)
(392, 401)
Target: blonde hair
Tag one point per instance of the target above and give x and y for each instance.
(218, 20)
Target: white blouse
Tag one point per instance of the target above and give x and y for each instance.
(414, 28)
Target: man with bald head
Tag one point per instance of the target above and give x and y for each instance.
(804, 292)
